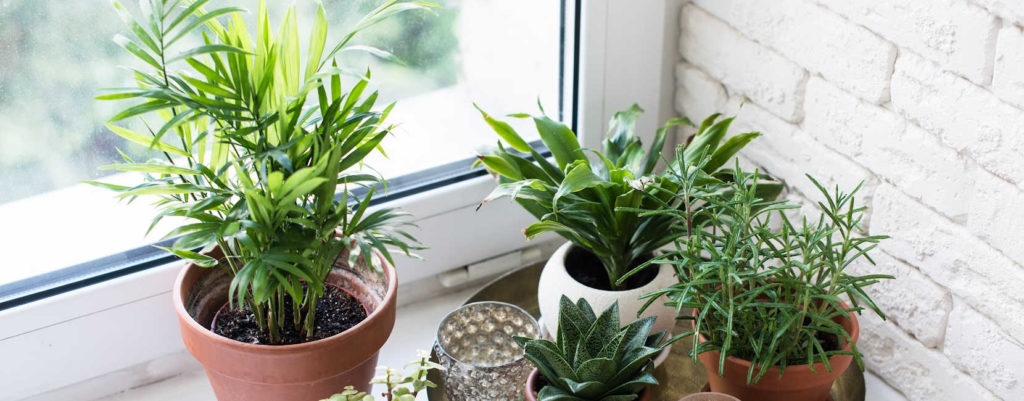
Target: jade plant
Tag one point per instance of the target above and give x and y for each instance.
(765, 289)
(595, 203)
(593, 358)
(398, 386)
(262, 147)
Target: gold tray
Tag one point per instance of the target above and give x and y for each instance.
(679, 375)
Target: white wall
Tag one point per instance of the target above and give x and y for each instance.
(923, 101)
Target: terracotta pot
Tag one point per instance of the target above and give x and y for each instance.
(798, 382)
(709, 397)
(531, 394)
(301, 372)
(556, 281)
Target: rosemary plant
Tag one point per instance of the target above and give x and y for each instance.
(257, 140)
(772, 297)
(595, 204)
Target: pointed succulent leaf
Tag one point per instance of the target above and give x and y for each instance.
(597, 369)
(549, 361)
(634, 362)
(588, 311)
(620, 397)
(636, 385)
(552, 393)
(586, 390)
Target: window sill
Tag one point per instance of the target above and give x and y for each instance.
(189, 383)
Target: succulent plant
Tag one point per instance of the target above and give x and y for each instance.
(399, 386)
(593, 358)
(595, 203)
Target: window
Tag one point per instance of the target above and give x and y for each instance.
(59, 233)
(610, 54)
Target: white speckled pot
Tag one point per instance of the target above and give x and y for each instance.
(556, 281)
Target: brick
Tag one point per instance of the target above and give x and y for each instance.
(918, 372)
(776, 83)
(964, 116)
(788, 153)
(697, 94)
(843, 52)
(1008, 77)
(1010, 10)
(959, 36)
(995, 213)
(977, 346)
(951, 256)
(911, 300)
(902, 154)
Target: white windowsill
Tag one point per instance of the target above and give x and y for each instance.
(413, 331)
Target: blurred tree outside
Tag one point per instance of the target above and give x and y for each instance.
(56, 54)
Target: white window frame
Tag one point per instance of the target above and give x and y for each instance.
(79, 344)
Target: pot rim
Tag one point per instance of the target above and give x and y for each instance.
(563, 252)
(179, 307)
(535, 373)
(854, 335)
(440, 347)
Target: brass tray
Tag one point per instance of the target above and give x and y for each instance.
(679, 375)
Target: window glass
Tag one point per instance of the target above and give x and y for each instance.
(56, 54)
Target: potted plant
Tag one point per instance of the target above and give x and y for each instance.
(593, 358)
(598, 206)
(303, 293)
(774, 311)
(398, 386)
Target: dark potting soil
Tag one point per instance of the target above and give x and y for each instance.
(586, 268)
(539, 383)
(336, 311)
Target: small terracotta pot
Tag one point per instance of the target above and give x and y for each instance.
(301, 372)
(709, 397)
(798, 382)
(531, 395)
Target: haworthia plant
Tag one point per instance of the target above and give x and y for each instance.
(593, 357)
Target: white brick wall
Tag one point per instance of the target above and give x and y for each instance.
(726, 55)
(1008, 77)
(821, 41)
(922, 100)
(954, 33)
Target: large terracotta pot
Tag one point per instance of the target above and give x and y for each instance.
(531, 384)
(798, 383)
(301, 372)
(556, 281)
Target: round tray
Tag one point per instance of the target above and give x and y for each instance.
(679, 375)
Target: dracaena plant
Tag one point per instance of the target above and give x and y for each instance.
(596, 203)
(594, 358)
(262, 149)
(771, 296)
(398, 385)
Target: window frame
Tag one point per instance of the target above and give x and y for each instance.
(75, 334)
